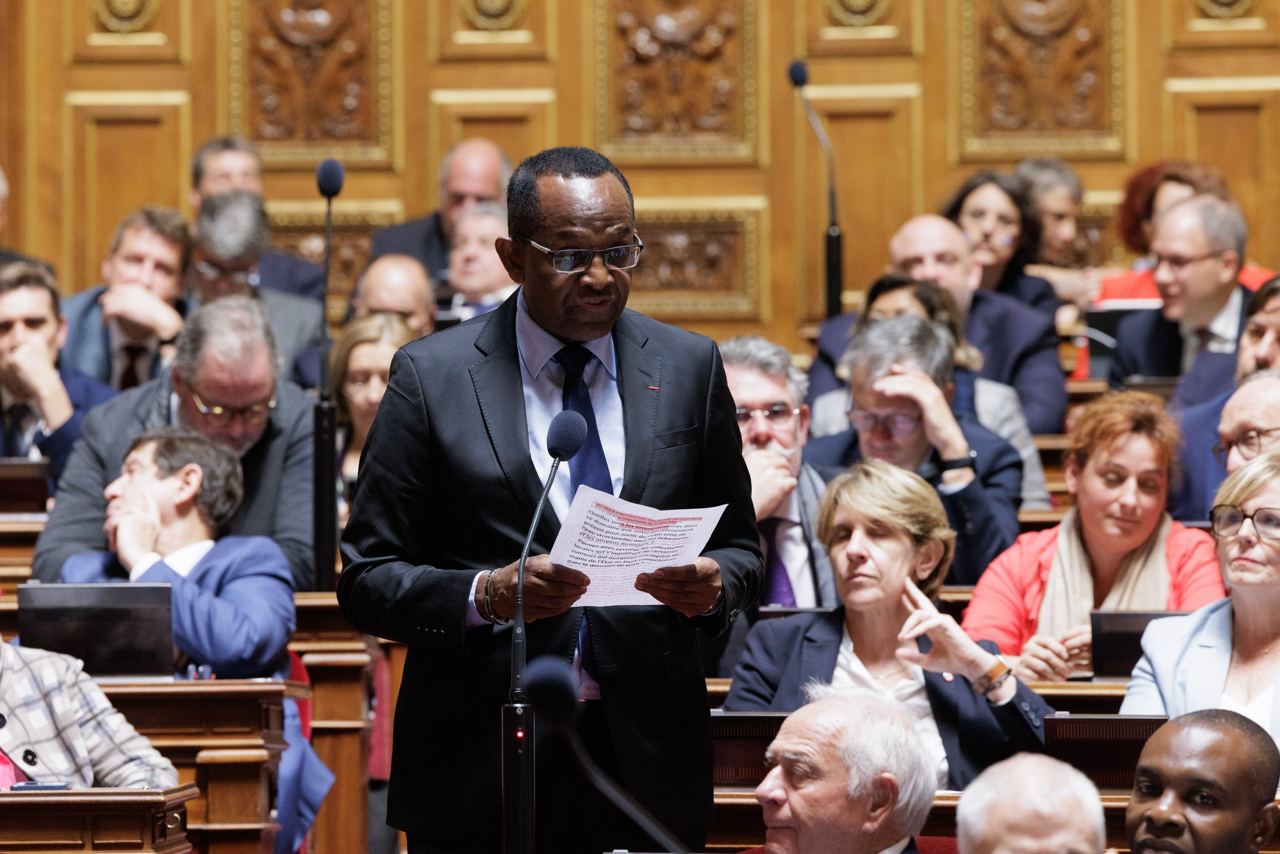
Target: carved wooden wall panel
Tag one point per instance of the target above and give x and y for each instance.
(127, 30)
(491, 29)
(702, 259)
(1223, 23)
(521, 121)
(863, 27)
(1238, 130)
(874, 193)
(1041, 78)
(308, 75)
(676, 80)
(121, 150)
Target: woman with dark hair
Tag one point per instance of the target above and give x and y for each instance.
(995, 212)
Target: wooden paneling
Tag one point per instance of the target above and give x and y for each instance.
(521, 121)
(863, 27)
(121, 150)
(143, 31)
(476, 30)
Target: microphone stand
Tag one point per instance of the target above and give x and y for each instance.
(834, 239)
(518, 760)
(325, 474)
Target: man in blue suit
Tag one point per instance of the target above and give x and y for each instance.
(232, 596)
(1199, 247)
(1203, 424)
(227, 163)
(1019, 345)
(900, 373)
(42, 406)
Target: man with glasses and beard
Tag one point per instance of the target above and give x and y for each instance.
(900, 377)
(224, 384)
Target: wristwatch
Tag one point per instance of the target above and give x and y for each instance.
(969, 462)
(994, 677)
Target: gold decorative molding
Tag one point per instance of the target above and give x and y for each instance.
(1224, 9)
(291, 213)
(680, 85)
(306, 86)
(490, 29)
(1221, 24)
(125, 16)
(1041, 78)
(494, 14)
(126, 31)
(493, 96)
(1221, 84)
(857, 13)
(703, 258)
(864, 27)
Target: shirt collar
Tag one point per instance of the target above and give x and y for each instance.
(1225, 325)
(538, 346)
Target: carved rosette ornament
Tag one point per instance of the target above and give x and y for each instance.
(702, 259)
(857, 13)
(125, 16)
(1226, 8)
(494, 14)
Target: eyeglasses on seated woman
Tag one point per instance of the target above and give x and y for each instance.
(887, 536)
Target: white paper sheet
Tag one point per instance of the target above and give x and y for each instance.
(612, 541)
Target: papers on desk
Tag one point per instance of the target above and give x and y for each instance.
(612, 541)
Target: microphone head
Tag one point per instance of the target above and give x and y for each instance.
(566, 434)
(552, 690)
(329, 177)
(798, 73)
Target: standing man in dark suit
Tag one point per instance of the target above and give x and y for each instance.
(474, 170)
(1019, 345)
(227, 163)
(42, 406)
(451, 473)
(1199, 247)
(900, 376)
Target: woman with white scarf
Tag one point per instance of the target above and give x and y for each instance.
(1117, 549)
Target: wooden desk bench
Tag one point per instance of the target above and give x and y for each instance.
(120, 820)
(18, 533)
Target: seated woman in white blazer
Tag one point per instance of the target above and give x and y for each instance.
(1225, 655)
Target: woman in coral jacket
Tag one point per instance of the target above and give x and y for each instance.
(1116, 549)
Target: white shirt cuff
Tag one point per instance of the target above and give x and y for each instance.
(144, 563)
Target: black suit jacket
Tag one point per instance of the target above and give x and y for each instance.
(447, 488)
(984, 514)
(278, 478)
(281, 271)
(420, 238)
(783, 654)
(84, 393)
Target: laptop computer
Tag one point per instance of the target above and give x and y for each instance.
(122, 632)
(1117, 639)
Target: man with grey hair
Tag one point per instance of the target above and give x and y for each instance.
(1199, 247)
(474, 170)
(848, 774)
(480, 283)
(1030, 804)
(223, 384)
(226, 163)
(231, 234)
(900, 381)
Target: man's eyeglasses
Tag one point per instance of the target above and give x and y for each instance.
(898, 425)
(255, 414)
(774, 413)
(1227, 519)
(1248, 443)
(213, 273)
(1178, 263)
(576, 260)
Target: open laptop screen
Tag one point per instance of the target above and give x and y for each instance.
(117, 630)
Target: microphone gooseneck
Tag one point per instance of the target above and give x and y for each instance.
(324, 469)
(798, 74)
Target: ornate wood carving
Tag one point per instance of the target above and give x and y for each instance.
(857, 13)
(125, 16)
(1226, 8)
(308, 72)
(678, 78)
(494, 14)
(1042, 76)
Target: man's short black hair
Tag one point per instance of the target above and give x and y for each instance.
(1261, 758)
(523, 210)
(1258, 299)
(222, 481)
(28, 274)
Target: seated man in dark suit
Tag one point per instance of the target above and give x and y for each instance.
(42, 406)
(231, 235)
(232, 595)
(1199, 247)
(1030, 804)
(224, 385)
(227, 163)
(122, 331)
(474, 170)
(900, 373)
(1202, 462)
(847, 772)
(1019, 345)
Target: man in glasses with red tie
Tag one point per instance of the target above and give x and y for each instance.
(453, 467)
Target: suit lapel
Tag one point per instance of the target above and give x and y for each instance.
(1202, 674)
(639, 385)
(500, 393)
(821, 647)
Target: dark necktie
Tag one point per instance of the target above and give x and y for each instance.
(131, 376)
(15, 430)
(589, 465)
(777, 584)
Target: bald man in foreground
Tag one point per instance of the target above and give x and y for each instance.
(1205, 784)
